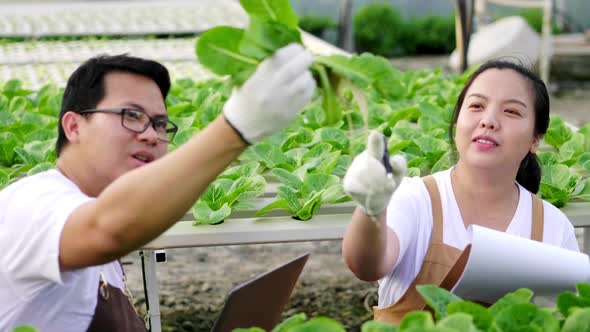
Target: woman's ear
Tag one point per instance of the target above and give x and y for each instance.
(71, 125)
(535, 145)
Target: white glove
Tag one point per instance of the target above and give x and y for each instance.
(271, 98)
(367, 181)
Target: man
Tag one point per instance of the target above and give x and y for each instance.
(113, 190)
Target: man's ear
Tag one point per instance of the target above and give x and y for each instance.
(535, 145)
(71, 125)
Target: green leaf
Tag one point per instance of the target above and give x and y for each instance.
(416, 319)
(244, 188)
(327, 164)
(572, 149)
(548, 157)
(578, 321)
(272, 10)
(6, 119)
(276, 205)
(25, 328)
(377, 326)
(413, 171)
(585, 193)
(14, 88)
(203, 214)
(558, 132)
(310, 207)
(521, 295)
(8, 142)
(323, 324)
(218, 50)
(262, 38)
(482, 318)
(19, 104)
(318, 151)
(287, 178)
(445, 162)
(291, 198)
(437, 298)
(40, 168)
(37, 152)
(270, 155)
(216, 192)
(244, 170)
(557, 183)
(336, 137)
(411, 113)
(459, 321)
(297, 139)
(330, 104)
(291, 322)
(316, 182)
(567, 301)
(332, 194)
(583, 289)
(366, 70)
(525, 316)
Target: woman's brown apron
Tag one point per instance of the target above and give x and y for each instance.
(114, 311)
(440, 258)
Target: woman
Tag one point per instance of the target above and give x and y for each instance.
(416, 235)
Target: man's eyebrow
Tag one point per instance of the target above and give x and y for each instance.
(516, 101)
(141, 108)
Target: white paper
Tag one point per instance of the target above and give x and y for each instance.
(500, 263)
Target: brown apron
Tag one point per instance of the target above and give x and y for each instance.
(114, 311)
(440, 258)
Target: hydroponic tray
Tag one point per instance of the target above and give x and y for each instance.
(328, 224)
(117, 17)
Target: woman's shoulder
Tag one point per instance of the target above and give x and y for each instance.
(554, 215)
(413, 187)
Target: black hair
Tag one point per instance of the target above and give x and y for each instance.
(529, 171)
(85, 87)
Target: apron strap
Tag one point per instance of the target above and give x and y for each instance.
(538, 219)
(437, 220)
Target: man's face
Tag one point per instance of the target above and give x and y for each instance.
(109, 149)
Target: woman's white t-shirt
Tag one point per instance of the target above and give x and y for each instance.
(409, 214)
(33, 291)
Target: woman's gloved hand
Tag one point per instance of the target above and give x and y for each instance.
(373, 176)
(271, 98)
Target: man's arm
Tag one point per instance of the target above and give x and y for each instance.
(142, 204)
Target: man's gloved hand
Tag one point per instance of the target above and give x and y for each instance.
(367, 180)
(271, 98)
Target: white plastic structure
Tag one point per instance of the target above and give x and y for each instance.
(481, 7)
(509, 37)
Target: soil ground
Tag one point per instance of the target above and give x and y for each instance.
(195, 281)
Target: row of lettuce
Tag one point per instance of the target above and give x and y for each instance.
(309, 158)
(513, 312)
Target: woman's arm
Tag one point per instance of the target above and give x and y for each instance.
(370, 248)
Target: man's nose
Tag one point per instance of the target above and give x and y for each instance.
(149, 135)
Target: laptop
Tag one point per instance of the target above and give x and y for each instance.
(259, 302)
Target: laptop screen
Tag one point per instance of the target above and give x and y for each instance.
(259, 302)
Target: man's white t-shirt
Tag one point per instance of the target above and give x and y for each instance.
(409, 214)
(33, 291)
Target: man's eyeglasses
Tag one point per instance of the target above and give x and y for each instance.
(138, 121)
